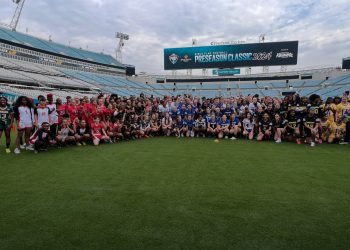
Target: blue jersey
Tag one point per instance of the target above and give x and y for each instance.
(189, 124)
(228, 112)
(235, 122)
(173, 114)
(207, 118)
(191, 112)
(182, 113)
(224, 123)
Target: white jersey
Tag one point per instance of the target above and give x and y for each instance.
(43, 114)
(25, 117)
(167, 121)
(53, 113)
(248, 125)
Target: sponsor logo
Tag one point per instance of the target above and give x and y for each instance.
(284, 55)
(173, 58)
(186, 58)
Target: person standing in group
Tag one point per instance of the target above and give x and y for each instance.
(42, 113)
(6, 121)
(24, 115)
(53, 114)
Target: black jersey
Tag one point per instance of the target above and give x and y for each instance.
(318, 110)
(83, 131)
(213, 123)
(279, 124)
(293, 121)
(311, 121)
(265, 125)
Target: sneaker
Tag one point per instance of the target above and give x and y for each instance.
(278, 141)
(343, 143)
(197, 136)
(312, 144)
(203, 136)
(17, 151)
(8, 151)
(78, 144)
(320, 141)
(233, 138)
(83, 143)
(30, 148)
(36, 152)
(23, 146)
(298, 141)
(226, 137)
(146, 136)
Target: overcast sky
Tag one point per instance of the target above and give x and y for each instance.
(321, 26)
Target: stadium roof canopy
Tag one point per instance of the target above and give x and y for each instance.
(22, 39)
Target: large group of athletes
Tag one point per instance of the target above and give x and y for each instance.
(111, 119)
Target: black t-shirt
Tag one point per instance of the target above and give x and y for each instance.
(265, 125)
(83, 131)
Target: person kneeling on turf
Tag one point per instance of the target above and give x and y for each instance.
(98, 132)
(167, 124)
(311, 122)
(279, 127)
(82, 133)
(337, 131)
(224, 127)
(265, 127)
(65, 133)
(42, 138)
(248, 126)
(200, 126)
(212, 128)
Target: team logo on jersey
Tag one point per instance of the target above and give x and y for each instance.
(173, 58)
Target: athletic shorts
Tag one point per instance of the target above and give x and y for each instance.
(307, 132)
(290, 132)
(4, 126)
(24, 124)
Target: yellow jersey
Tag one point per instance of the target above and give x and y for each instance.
(342, 108)
(338, 129)
(329, 110)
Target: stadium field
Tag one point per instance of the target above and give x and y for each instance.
(167, 193)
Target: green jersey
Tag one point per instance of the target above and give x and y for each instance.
(6, 115)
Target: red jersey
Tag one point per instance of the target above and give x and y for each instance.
(61, 110)
(102, 112)
(110, 126)
(97, 129)
(80, 111)
(73, 112)
(110, 112)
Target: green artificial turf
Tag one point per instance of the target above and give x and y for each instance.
(167, 193)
